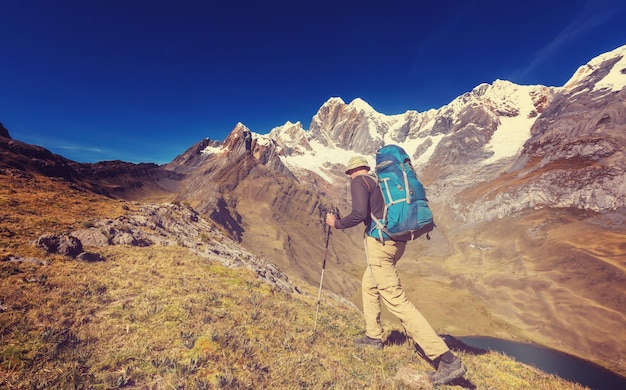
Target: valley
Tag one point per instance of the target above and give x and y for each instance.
(542, 281)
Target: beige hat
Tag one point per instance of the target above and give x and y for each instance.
(357, 162)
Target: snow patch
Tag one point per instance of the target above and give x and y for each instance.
(320, 157)
(425, 156)
(213, 150)
(615, 80)
(263, 140)
(512, 132)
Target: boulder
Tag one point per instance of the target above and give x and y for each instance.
(62, 244)
(92, 237)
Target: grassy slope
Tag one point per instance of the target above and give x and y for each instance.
(162, 318)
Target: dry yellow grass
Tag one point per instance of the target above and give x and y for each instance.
(34, 205)
(163, 318)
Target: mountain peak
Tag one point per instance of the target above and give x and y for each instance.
(609, 69)
(360, 104)
(334, 101)
(239, 127)
(290, 124)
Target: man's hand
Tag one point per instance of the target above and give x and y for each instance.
(330, 220)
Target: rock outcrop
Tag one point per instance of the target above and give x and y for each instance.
(178, 225)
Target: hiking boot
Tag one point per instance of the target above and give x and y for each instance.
(366, 341)
(447, 372)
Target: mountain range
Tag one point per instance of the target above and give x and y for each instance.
(527, 184)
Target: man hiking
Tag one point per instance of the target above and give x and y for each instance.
(381, 281)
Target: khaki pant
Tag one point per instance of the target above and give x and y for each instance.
(381, 282)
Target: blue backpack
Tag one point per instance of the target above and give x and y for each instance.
(407, 215)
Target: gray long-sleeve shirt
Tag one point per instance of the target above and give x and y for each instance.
(366, 199)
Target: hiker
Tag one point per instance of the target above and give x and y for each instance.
(381, 282)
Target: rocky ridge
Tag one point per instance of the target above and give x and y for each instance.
(165, 225)
(555, 146)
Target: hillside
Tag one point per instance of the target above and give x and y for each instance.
(162, 317)
(529, 275)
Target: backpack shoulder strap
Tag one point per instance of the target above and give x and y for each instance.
(367, 182)
(376, 222)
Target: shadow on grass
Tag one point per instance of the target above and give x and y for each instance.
(457, 345)
(399, 338)
(396, 338)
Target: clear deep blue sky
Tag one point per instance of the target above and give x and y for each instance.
(143, 80)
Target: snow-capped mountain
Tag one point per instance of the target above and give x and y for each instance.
(493, 121)
(495, 129)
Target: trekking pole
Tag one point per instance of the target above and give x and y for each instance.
(319, 294)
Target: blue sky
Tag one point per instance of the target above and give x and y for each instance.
(143, 80)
